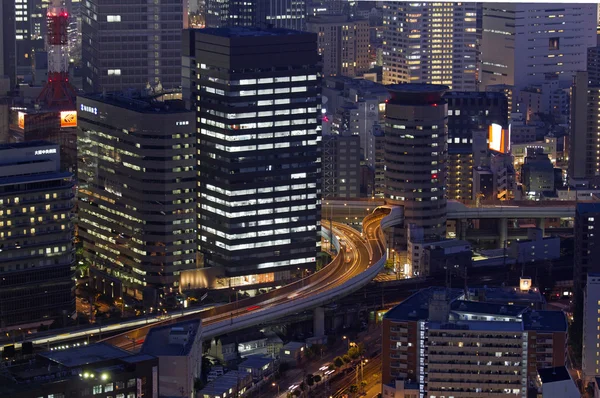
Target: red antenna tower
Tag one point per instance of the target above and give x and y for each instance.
(58, 91)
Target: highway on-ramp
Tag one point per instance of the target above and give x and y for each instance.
(360, 257)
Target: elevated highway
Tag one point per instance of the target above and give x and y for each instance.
(349, 210)
(361, 256)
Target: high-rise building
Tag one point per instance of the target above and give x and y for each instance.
(537, 174)
(343, 44)
(30, 24)
(460, 345)
(593, 65)
(36, 236)
(587, 244)
(136, 193)
(584, 158)
(128, 45)
(434, 43)
(8, 52)
(257, 95)
(341, 166)
(416, 135)
(591, 338)
(288, 14)
(468, 113)
(524, 42)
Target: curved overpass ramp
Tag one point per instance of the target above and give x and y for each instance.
(361, 256)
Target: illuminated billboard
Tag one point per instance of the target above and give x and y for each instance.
(68, 119)
(21, 120)
(498, 138)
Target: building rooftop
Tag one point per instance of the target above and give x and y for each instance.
(221, 385)
(545, 321)
(293, 345)
(507, 294)
(551, 375)
(246, 31)
(137, 102)
(157, 341)
(416, 307)
(255, 361)
(86, 354)
(487, 308)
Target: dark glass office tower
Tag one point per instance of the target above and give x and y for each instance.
(289, 14)
(129, 44)
(257, 95)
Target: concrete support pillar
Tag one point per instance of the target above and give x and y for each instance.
(541, 224)
(462, 226)
(502, 232)
(319, 322)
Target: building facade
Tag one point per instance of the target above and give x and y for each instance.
(36, 236)
(468, 114)
(341, 166)
(136, 193)
(526, 43)
(259, 151)
(587, 244)
(416, 131)
(468, 347)
(343, 44)
(129, 45)
(288, 14)
(591, 339)
(434, 43)
(584, 159)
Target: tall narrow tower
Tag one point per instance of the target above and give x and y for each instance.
(58, 91)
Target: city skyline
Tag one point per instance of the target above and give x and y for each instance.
(304, 198)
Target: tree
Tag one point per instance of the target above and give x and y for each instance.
(353, 389)
(331, 366)
(310, 380)
(363, 384)
(317, 379)
(338, 362)
(346, 358)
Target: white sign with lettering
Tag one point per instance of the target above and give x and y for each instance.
(89, 109)
(44, 151)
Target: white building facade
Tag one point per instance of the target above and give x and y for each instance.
(525, 42)
(435, 43)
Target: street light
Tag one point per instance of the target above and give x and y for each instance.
(275, 384)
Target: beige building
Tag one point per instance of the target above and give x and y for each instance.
(434, 43)
(343, 44)
(178, 348)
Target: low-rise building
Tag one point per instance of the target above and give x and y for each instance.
(87, 371)
(258, 366)
(179, 351)
(245, 343)
(556, 382)
(292, 353)
(232, 384)
(535, 247)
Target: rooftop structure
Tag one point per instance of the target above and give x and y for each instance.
(172, 340)
(439, 327)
